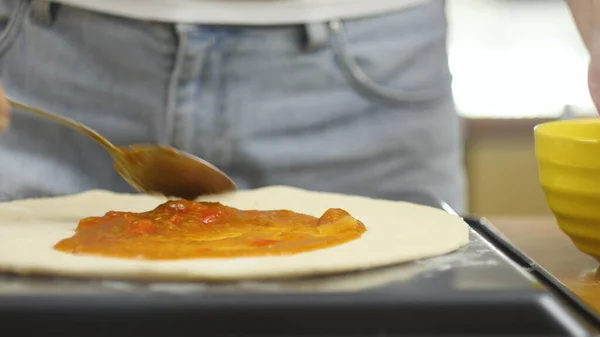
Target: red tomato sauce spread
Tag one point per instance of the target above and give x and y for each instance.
(181, 229)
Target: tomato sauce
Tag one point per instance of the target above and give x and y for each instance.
(181, 229)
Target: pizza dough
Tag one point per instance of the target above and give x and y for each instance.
(396, 232)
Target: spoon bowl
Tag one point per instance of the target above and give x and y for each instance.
(170, 172)
(153, 169)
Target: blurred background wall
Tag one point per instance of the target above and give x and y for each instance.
(515, 64)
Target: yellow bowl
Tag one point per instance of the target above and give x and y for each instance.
(568, 155)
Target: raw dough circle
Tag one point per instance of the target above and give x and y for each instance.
(396, 232)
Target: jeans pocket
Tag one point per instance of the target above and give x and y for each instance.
(12, 15)
(395, 58)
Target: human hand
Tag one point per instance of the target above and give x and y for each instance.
(594, 69)
(4, 111)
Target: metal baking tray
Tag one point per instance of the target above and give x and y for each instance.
(488, 288)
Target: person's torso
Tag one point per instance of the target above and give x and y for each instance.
(243, 12)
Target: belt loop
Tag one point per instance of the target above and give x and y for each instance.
(315, 36)
(44, 12)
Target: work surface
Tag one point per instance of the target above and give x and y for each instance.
(541, 239)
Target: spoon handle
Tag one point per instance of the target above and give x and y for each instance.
(67, 122)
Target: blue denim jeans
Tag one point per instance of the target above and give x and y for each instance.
(358, 106)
